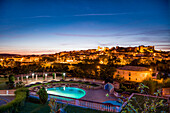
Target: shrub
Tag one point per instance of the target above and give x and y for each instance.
(43, 95)
(19, 84)
(56, 107)
(33, 100)
(13, 106)
(53, 75)
(119, 90)
(151, 84)
(132, 91)
(11, 78)
(123, 87)
(167, 83)
(62, 80)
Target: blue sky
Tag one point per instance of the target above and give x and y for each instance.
(49, 26)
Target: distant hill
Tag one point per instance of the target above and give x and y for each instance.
(9, 54)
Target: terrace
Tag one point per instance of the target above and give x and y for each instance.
(98, 96)
(95, 97)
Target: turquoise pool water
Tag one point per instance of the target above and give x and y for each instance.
(67, 92)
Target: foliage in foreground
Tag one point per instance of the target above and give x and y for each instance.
(149, 105)
(13, 106)
(43, 95)
(56, 107)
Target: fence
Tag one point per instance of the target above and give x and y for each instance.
(7, 92)
(87, 103)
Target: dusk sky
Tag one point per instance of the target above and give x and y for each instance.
(47, 26)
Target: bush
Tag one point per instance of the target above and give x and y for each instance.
(43, 95)
(62, 80)
(19, 84)
(11, 78)
(132, 91)
(167, 83)
(87, 82)
(13, 106)
(151, 84)
(119, 90)
(123, 87)
(33, 100)
(53, 75)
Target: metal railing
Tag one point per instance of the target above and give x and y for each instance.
(87, 103)
(7, 92)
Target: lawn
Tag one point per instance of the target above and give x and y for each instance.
(3, 86)
(38, 108)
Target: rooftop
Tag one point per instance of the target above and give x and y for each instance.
(133, 68)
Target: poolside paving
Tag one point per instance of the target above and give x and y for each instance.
(6, 99)
(98, 95)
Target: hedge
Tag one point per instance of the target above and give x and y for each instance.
(13, 106)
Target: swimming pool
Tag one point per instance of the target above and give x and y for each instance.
(71, 92)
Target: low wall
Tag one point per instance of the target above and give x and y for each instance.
(7, 92)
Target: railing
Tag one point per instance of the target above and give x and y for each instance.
(41, 79)
(33, 78)
(143, 95)
(150, 96)
(7, 92)
(87, 103)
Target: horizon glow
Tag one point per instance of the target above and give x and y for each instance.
(47, 27)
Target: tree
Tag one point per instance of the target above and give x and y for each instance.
(11, 81)
(106, 73)
(151, 84)
(43, 96)
(11, 78)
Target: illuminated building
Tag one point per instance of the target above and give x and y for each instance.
(134, 73)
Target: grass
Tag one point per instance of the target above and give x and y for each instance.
(141, 100)
(95, 85)
(3, 86)
(3, 80)
(39, 108)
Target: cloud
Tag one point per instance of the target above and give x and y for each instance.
(102, 14)
(163, 45)
(162, 32)
(82, 35)
(29, 52)
(105, 44)
(40, 17)
(154, 39)
(164, 48)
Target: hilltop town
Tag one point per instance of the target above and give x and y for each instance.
(142, 55)
(144, 60)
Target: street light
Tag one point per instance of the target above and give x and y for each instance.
(150, 71)
(98, 70)
(64, 74)
(101, 62)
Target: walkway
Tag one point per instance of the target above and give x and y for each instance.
(98, 95)
(6, 99)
